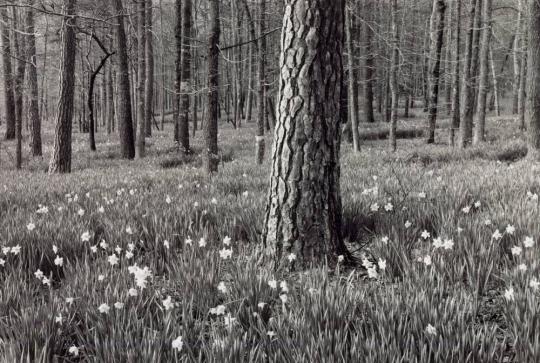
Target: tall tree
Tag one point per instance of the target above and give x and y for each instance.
(149, 87)
(178, 68)
(437, 36)
(516, 55)
(186, 88)
(9, 87)
(353, 100)
(141, 72)
(125, 118)
(19, 46)
(466, 122)
(533, 96)
(394, 85)
(456, 38)
(33, 102)
(483, 87)
(368, 65)
(261, 97)
(61, 157)
(210, 154)
(303, 215)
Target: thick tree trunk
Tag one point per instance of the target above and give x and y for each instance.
(210, 154)
(466, 122)
(303, 215)
(394, 85)
(35, 120)
(456, 38)
(149, 87)
(353, 101)
(141, 64)
(483, 86)
(437, 35)
(61, 157)
(125, 117)
(186, 88)
(9, 86)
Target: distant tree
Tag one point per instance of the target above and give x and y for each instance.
(185, 88)
(394, 84)
(261, 97)
(303, 215)
(456, 38)
(61, 157)
(353, 100)
(149, 87)
(437, 36)
(9, 87)
(210, 154)
(467, 98)
(368, 64)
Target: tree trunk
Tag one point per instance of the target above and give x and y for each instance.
(19, 45)
(456, 74)
(149, 87)
(178, 70)
(533, 96)
(516, 59)
(353, 101)
(185, 88)
(61, 157)
(210, 154)
(465, 127)
(35, 120)
(394, 85)
(141, 64)
(368, 68)
(303, 215)
(125, 118)
(9, 87)
(523, 84)
(437, 35)
(483, 87)
(495, 94)
(261, 98)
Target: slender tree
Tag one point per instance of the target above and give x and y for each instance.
(456, 37)
(437, 36)
(149, 87)
(483, 87)
(61, 157)
(210, 154)
(9, 87)
(186, 88)
(533, 96)
(303, 216)
(353, 100)
(261, 97)
(394, 85)
(466, 119)
(141, 73)
(33, 102)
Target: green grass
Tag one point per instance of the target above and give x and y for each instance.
(328, 316)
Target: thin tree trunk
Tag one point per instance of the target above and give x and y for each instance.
(495, 94)
(149, 87)
(61, 157)
(33, 106)
(516, 58)
(141, 63)
(368, 67)
(533, 96)
(394, 86)
(479, 132)
(437, 36)
(9, 87)
(261, 98)
(185, 89)
(456, 73)
(353, 101)
(465, 127)
(210, 154)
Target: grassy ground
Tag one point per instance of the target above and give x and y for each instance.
(451, 273)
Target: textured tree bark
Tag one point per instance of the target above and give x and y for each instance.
(303, 215)
(61, 157)
(141, 64)
(110, 102)
(533, 96)
(125, 117)
(456, 38)
(149, 87)
(475, 61)
(9, 87)
(261, 98)
(178, 70)
(35, 120)
(19, 45)
(394, 85)
(483, 86)
(368, 68)
(210, 154)
(185, 85)
(437, 35)
(353, 100)
(466, 122)
(516, 51)
(523, 92)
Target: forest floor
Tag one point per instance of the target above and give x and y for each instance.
(151, 261)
